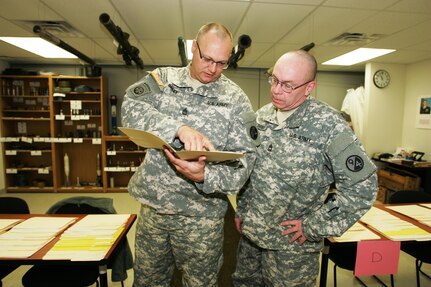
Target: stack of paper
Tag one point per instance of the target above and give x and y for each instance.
(420, 213)
(90, 238)
(356, 233)
(393, 227)
(27, 237)
(6, 224)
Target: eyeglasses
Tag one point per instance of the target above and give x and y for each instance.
(286, 87)
(209, 62)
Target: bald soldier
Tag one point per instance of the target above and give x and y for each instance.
(306, 147)
(184, 202)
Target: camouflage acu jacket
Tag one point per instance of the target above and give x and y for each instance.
(296, 164)
(161, 103)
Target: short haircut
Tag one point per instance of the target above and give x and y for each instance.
(220, 30)
(310, 59)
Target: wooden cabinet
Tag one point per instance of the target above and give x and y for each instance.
(122, 159)
(391, 180)
(28, 156)
(77, 128)
(54, 136)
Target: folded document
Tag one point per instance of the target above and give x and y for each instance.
(150, 140)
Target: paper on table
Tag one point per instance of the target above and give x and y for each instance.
(44, 223)
(90, 238)
(8, 223)
(27, 237)
(355, 233)
(150, 140)
(393, 227)
(420, 213)
(17, 253)
(428, 205)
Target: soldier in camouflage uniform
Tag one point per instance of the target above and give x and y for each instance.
(306, 146)
(184, 202)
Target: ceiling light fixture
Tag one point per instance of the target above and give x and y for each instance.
(358, 56)
(39, 47)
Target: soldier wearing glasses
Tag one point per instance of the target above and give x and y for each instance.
(306, 146)
(183, 202)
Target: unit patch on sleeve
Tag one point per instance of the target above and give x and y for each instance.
(249, 121)
(253, 132)
(147, 86)
(354, 163)
(349, 158)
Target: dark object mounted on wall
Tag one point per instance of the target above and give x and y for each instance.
(182, 51)
(91, 71)
(308, 47)
(129, 52)
(244, 41)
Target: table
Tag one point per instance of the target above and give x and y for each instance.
(37, 258)
(325, 252)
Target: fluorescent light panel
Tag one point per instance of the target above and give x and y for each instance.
(39, 47)
(357, 56)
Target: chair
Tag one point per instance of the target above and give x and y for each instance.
(421, 251)
(11, 205)
(80, 275)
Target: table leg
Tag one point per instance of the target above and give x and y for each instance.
(324, 266)
(103, 275)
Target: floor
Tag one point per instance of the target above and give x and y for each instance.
(123, 203)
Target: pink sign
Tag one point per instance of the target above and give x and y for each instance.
(377, 257)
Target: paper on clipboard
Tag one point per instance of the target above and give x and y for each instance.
(150, 140)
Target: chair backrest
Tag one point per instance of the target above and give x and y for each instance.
(13, 205)
(73, 208)
(409, 196)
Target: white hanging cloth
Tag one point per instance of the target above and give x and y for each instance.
(353, 105)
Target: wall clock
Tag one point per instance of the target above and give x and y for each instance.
(381, 78)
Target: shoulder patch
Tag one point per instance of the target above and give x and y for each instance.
(354, 163)
(149, 85)
(249, 121)
(350, 158)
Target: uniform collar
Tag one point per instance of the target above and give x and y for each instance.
(295, 120)
(183, 83)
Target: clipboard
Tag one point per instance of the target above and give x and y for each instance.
(150, 140)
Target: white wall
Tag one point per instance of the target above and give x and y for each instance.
(417, 84)
(384, 118)
(391, 112)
